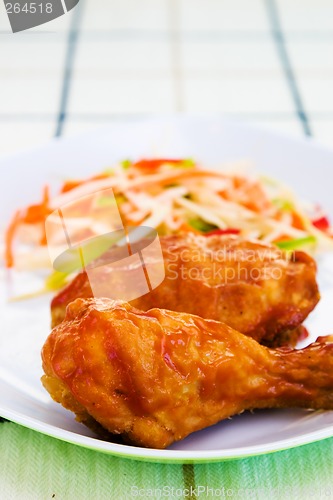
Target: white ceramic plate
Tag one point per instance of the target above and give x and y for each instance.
(24, 325)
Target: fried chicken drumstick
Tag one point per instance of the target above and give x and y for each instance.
(255, 288)
(154, 377)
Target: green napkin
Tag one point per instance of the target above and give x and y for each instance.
(34, 466)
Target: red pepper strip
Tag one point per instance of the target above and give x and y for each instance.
(222, 231)
(156, 163)
(322, 223)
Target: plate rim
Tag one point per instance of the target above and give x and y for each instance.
(149, 454)
(164, 455)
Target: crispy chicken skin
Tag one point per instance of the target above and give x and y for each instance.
(255, 288)
(154, 377)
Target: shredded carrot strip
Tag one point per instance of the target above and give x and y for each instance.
(72, 184)
(160, 179)
(69, 185)
(186, 228)
(9, 239)
(153, 164)
(46, 212)
(297, 220)
(38, 213)
(34, 214)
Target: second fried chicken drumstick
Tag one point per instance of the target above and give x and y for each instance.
(154, 377)
(253, 287)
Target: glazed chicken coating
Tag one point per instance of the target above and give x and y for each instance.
(155, 377)
(255, 288)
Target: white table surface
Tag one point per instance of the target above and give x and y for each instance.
(264, 61)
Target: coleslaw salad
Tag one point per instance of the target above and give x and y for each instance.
(172, 196)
